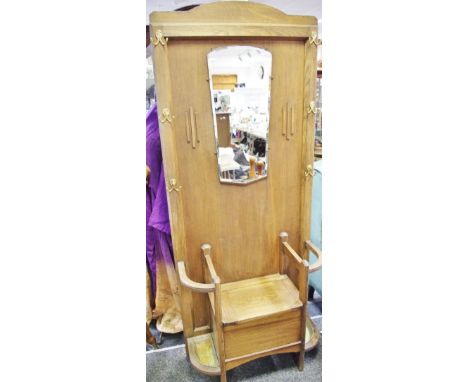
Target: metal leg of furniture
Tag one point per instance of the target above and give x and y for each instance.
(311, 293)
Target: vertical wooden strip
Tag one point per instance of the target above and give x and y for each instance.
(283, 237)
(187, 311)
(187, 127)
(303, 295)
(284, 122)
(192, 126)
(292, 120)
(196, 128)
(287, 121)
(219, 330)
(308, 137)
(171, 170)
(206, 276)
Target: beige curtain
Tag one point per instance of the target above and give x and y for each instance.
(167, 299)
(149, 315)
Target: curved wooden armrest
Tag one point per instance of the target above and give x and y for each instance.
(193, 285)
(318, 253)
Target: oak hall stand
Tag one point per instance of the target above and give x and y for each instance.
(241, 250)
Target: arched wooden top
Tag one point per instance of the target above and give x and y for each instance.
(232, 18)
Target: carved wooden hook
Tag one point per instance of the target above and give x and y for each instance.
(309, 171)
(159, 38)
(313, 39)
(312, 108)
(173, 186)
(166, 116)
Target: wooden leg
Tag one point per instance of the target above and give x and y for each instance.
(223, 376)
(219, 330)
(186, 351)
(299, 358)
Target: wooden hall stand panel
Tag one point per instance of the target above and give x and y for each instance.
(244, 295)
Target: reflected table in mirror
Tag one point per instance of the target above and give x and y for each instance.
(240, 83)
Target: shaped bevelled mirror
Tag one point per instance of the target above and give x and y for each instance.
(240, 83)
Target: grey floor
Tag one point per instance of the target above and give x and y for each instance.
(169, 362)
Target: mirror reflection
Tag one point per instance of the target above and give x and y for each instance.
(240, 79)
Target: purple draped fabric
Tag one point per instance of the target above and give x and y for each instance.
(158, 230)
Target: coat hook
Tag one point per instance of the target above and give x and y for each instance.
(166, 116)
(173, 186)
(159, 38)
(313, 39)
(309, 171)
(312, 108)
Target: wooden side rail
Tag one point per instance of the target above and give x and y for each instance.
(215, 301)
(318, 253)
(193, 285)
(210, 275)
(300, 281)
(288, 251)
(206, 249)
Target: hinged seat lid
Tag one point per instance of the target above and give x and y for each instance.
(257, 298)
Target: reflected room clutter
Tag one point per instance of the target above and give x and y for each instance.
(234, 169)
(240, 87)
